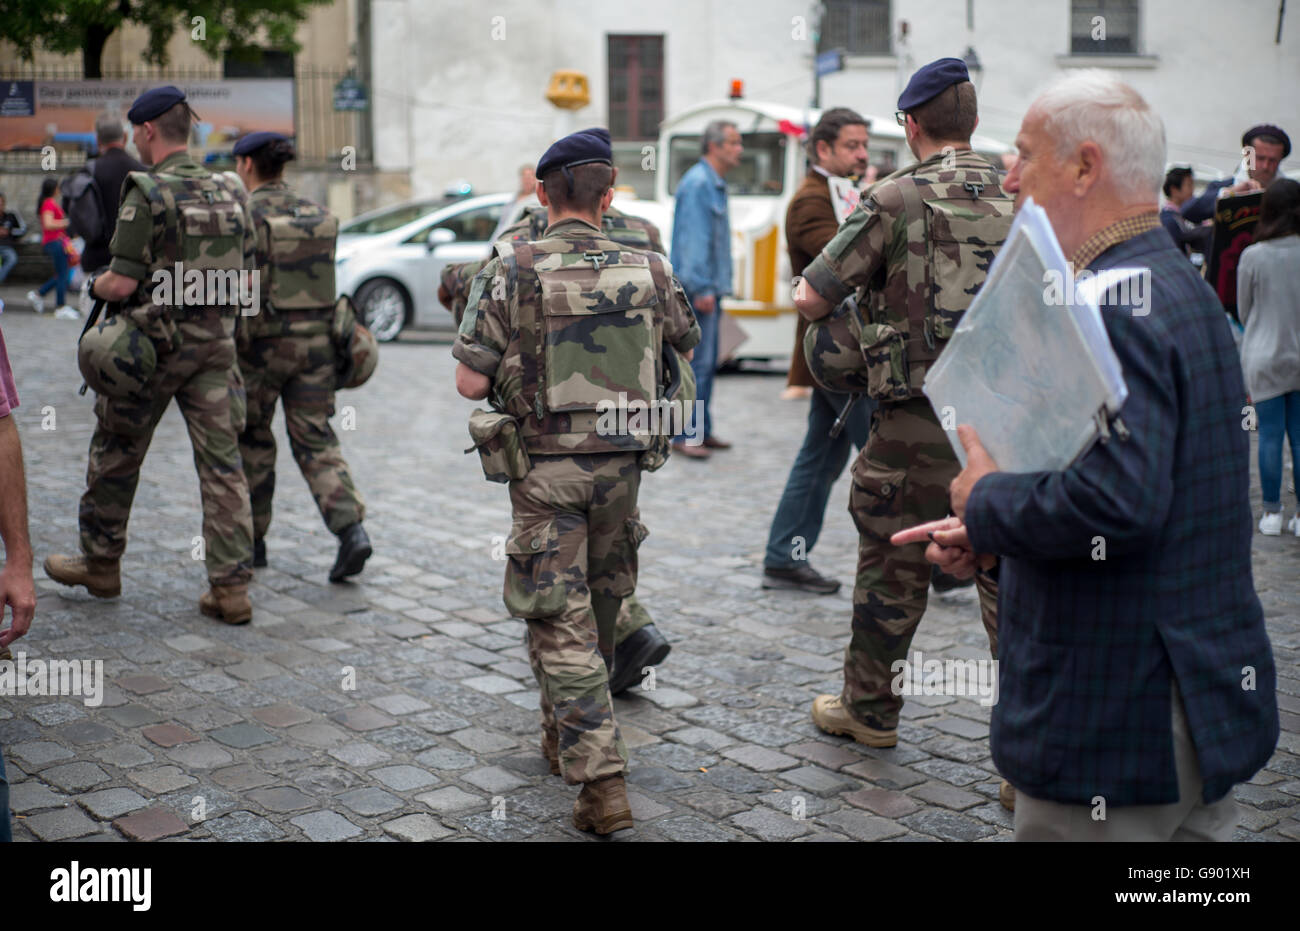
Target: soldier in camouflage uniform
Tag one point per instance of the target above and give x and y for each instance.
(578, 324)
(286, 351)
(638, 644)
(195, 349)
(920, 244)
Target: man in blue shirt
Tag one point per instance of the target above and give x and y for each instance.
(701, 256)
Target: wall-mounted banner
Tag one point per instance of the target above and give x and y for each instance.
(65, 111)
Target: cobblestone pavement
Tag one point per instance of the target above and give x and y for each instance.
(247, 733)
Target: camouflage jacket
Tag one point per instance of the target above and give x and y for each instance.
(622, 228)
(568, 326)
(916, 249)
(295, 263)
(181, 214)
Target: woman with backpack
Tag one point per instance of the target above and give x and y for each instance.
(55, 242)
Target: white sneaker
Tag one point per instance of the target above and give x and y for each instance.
(38, 302)
(1293, 525)
(1270, 525)
(67, 312)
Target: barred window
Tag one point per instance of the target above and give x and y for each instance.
(636, 86)
(860, 27)
(1104, 27)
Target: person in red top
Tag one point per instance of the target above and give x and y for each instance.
(54, 239)
(17, 590)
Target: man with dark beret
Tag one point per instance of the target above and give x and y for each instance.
(566, 334)
(915, 250)
(1264, 147)
(159, 264)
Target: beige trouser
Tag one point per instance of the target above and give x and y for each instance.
(1188, 819)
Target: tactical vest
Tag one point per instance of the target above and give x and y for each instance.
(959, 218)
(204, 231)
(298, 275)
(590, 331)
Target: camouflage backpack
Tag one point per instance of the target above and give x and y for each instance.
(590, 335)
(300, 238)
(957, 218)
(205, 230)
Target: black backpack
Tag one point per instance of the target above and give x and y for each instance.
(83, 202)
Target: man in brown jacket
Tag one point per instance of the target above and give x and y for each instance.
(837, 147)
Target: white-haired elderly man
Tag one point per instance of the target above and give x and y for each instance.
(1138, 689)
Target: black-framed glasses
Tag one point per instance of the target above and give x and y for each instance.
(901, 116)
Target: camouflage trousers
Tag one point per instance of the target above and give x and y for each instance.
(571, 560)
(631, 618)
(900, 478)
(201, 374)
(299, 370)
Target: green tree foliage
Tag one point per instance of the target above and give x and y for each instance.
(219, 27)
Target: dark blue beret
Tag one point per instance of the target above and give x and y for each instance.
(154, 103)
(581, 148)
(254, 141)
(932, 80)
(1268, 129)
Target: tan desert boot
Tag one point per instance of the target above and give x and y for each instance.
(551, 750)
(227, 603)
(101, 577)
(602, 806)
(829, 713)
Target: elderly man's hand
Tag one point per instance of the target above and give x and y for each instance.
(949, 547)
(978, 464)
(811, 304)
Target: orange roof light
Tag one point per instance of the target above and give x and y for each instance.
(737, 88)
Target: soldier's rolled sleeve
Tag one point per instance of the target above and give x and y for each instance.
(132, 244)
(485, 328)
(852, 257)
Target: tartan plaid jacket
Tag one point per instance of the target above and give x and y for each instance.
(1087, 646)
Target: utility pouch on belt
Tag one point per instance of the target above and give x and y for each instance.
(885, 351)
(500, 447)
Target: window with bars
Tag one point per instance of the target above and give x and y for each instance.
(859, 27)
(267, 63)
(636, 86)
(1104, 27)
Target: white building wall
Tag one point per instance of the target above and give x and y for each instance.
(451, 101)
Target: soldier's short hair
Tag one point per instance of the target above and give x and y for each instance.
(270, 159)
(174, 124)
(108, 129)
(715, 134)
(950, 115)
(590, 182)
(1094, 105)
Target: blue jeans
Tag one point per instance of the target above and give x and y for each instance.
(1277, 417)
(62, 273)
(819, 463)
(704, 364)
(6, 831)
(8, 259)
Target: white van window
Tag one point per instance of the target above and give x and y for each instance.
(761, 170)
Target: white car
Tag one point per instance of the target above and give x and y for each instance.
(390, 261)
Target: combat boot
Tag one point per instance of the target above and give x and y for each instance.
(227, 603)
(642, 648)
(354, 550)
(101, 577)
(551, 750)
(829, 713)
(602, 806)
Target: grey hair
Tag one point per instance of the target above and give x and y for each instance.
(715, 134)
(1092, 104)
(108, 128)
